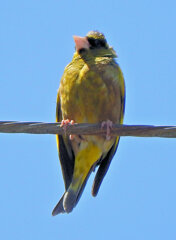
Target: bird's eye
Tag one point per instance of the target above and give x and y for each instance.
(96, 43)
(92, 42)
(102, 43)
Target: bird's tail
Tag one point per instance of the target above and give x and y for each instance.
(85, 162)
(71, 197)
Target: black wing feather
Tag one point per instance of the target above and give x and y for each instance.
(103, 168)
(66, 159)
(66, 154)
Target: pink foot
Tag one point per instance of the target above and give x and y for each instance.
(64, 124)
(108, 125)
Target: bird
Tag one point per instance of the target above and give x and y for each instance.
(92, 90)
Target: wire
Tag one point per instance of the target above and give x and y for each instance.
(87, 129)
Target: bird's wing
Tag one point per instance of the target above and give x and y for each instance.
(105, 162)
(66, 154)
(103, 168)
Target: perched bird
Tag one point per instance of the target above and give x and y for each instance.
(92, 90)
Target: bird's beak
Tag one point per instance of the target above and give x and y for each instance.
(81, 42)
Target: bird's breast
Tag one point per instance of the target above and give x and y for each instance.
(91, 94)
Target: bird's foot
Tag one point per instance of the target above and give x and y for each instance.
(65, 124)
(108, 125)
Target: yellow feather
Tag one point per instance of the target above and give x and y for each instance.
(84, 160)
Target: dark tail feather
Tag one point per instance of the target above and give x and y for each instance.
(70, 198)
(59, 207)
(68, 201)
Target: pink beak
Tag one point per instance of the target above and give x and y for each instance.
(81, 42)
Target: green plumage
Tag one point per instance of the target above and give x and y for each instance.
(92, 90)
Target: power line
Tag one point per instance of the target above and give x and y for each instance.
(87, 129)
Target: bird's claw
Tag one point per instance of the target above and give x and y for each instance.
(64, 124)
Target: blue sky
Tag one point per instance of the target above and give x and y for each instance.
(137, 198)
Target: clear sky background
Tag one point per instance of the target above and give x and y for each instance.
(137, 199)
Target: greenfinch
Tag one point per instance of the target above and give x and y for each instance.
(92, 90)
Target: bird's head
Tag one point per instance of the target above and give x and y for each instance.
(93, 43)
